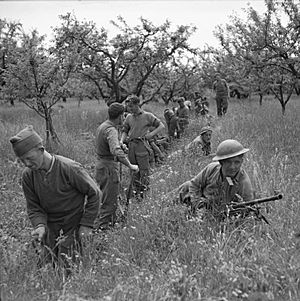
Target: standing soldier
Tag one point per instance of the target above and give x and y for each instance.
(182, 114)
(172, 124)
(221, 89)
(62, 199)
(220, 183)
(136, 127)
(109, 153)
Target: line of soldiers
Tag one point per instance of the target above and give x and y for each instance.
(63, 200)
(177, 119)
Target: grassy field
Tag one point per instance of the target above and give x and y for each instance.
(160, 254)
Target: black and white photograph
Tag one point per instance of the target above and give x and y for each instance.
(150, 150)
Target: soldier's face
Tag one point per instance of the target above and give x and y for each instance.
(231, 166)
(33, 159)
(206, 137)
(133, 108)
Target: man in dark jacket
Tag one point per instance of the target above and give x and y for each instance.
(221, 89)
(109, 152)
(62, 199)
(183, 114)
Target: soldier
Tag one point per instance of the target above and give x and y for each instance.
(172, 122)
(136, 127)
(183, 114)
(221, 88)
(188, 104)
(109, 153)
(201, 106)
(201, 144)
(219, 183)
(62, 199)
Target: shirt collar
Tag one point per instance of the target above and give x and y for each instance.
(51, 166)
(139, 113)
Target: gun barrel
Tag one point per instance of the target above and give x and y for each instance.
(257, 201)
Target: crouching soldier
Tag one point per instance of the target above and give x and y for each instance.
(201, 145)
(219, 183)
(62, 199)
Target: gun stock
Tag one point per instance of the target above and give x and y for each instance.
(257, 201)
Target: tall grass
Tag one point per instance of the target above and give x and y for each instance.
(161, 254)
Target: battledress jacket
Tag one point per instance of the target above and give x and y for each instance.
(137, 126)
(60, 194)
(198, 146)
(217, 190)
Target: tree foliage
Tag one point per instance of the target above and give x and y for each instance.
(38, 77)
(122, 65)
(266, 44)
(9, 35)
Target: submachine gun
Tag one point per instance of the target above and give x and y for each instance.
(244, 208)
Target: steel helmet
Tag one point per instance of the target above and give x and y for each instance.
(205, 129)
(168, 112)
(228, 149)
(180, 99)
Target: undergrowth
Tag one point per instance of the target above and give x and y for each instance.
(162, 254)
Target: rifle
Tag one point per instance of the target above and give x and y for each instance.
(245, 208)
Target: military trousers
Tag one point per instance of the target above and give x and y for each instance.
(222, 104)
(61, 245)
(139, 154)
(107, 177)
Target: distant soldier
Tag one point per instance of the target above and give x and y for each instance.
(201, 144)
(219, 183)
(136, 128)
(221, 89)
(182, 114)
(109, 153)
(188, 104)
(201, 105)
(62, 199)
(172, 122)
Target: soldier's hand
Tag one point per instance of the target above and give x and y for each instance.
(148, 136)
(134, 168)
(39, 232)
(85, 231)
(124, 147)
(185, 187)
(200, 202)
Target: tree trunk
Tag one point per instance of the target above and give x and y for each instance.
(283, 108)
(260, 99)
(52, 139)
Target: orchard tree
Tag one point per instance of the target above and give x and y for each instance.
(9, 36)
(122, 65)
(38, 76)
(267, 42)
(178, 77)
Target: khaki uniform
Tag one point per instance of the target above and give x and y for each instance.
(210, 185)
(136, 127)
(183, 117)
(198, 146)
(108, 151)
(62, 199)
(222, 91)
